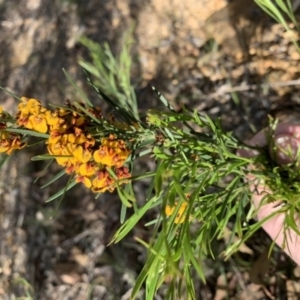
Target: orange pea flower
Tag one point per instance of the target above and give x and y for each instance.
(10, 142)
(82, 155)
(37, 123)
(52, 118)
(85, 180)
(105, 156)
(102, 182)
(87, 169)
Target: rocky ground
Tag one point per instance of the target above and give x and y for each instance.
(225, 58)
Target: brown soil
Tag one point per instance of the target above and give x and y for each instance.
(225, 58)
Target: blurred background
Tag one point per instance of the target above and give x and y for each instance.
(225, 58)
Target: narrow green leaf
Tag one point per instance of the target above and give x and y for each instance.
(163, 99)
(8, 120)
(128, 193)
(79, 91)
(28, 132)
(131, 222)
(36, 143)
(62, 191)
(43, 172)
(86, 112)
(158, 177)
(10, 93)
(148, 267)
(123, 197)
(153, 222)
(47, 156)
(123, 213)
(54, 178)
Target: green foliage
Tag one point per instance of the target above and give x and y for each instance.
(112, 75)
(282, 12)
(27, 288)
(203, 171)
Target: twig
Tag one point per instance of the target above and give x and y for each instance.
(226, 89)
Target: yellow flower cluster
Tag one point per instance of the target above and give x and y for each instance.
(9, 141)
(74, 147)
(33, 115)
(180, 217)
